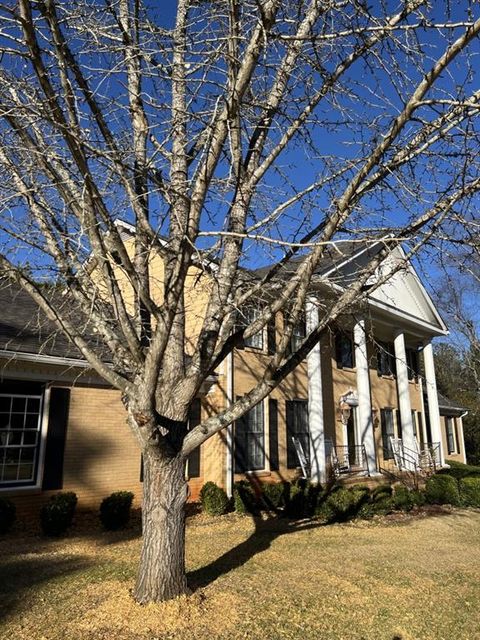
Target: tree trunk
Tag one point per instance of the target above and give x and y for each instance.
(161, 574)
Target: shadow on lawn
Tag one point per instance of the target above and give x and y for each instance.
(266, 531)
(19, 575)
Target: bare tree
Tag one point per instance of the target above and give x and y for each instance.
(235, 133)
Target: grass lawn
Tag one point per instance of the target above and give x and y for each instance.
(406, 578)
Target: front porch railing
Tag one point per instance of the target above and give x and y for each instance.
(348, 459)
(425, 458)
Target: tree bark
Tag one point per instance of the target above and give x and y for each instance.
(161, 574)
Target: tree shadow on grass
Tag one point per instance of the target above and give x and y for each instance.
(19, 575)
(266, 531)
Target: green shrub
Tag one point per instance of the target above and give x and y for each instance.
(115, 510)
(7, 515)
(470, 491)
(344, 503)
(459, 470)
(442, 489)
(405, 499)
(303, 499)
(244, 499)
(57, 515)
(275, 495)
(214, 500)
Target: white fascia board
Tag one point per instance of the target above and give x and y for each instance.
(397, 313)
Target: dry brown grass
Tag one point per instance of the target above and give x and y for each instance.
(409, 578)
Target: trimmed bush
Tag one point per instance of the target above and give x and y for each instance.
(404, 499)
(344, 503)
(115, 510)
(214, 500)
(470, 491)
(442, 489)
(459, 470)
(57, 515)
(7, 515)
(244, 499)
(275, 494)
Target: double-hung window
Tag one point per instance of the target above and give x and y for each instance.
(344, 353)
(20, 436)
(246, 317)
(388, 432)
(451, 436)
(385, 359)
(297, 427)
(250, 441)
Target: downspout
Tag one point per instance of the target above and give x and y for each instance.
(229, 398)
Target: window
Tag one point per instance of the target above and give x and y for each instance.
(412, 364)
(387, 432)
(451, 435)
(20, 430)
(414, 423)
(245, 318)
(297, 427)
(344, 350)
(298, 335)
(250, 441)
(385, 359)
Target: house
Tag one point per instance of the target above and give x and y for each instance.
(364, 402)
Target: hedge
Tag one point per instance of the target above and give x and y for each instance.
(470, 491)
(442, 489)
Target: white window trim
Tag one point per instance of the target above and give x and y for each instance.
(12, 490)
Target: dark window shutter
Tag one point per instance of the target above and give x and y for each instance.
(273, 433)
(271, 337)
(194, 418)
(57, 431)
(399, 424)
(292, 459)
(241, 428)
(338, 350)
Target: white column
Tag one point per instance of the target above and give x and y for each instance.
(432, 398)
(404, 403)
(461, 438)
(365, 421)
(315, 401)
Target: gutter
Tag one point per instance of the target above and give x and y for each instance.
(44, 359)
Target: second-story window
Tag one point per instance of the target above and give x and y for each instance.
(246, 316)
(385, 359)
(344, 350)
(298, 335)
(412, 364)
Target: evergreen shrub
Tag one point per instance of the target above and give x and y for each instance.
(442, 489)
(244, 499)
(115, 510)
(57, 515)
(276, 494)
(470, 491)
(214, 500)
